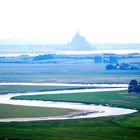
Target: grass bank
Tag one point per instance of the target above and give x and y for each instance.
(107, 128)
(65, 73)
(4, 89)
(125, 127)
(112, 98)
(15, 111)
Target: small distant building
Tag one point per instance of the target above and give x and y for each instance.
(113, 59)
(98, 59)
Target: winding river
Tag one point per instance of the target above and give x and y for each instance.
(86, 110)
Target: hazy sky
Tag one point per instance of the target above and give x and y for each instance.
(100, 21)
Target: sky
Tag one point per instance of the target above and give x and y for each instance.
(57, 21)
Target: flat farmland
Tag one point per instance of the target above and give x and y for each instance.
(112, 98)
(124, 127)
(4, 89)
(16, 111)
(65, 73)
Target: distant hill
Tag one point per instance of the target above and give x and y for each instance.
(78, 43)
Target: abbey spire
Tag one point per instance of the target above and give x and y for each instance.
(79, 43)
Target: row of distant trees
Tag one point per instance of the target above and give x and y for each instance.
(134, 86)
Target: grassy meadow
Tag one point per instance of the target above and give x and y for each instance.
(65, 73)
(124, 127)
(24, 88)
(107, 128)
(15, 111)
(112, 98)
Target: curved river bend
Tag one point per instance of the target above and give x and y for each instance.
(86, 110)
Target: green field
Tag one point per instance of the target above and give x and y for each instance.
(15, 111)
(113, 98)
(125, 127)
(65, 73)
(26, 88)
(87, 129)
